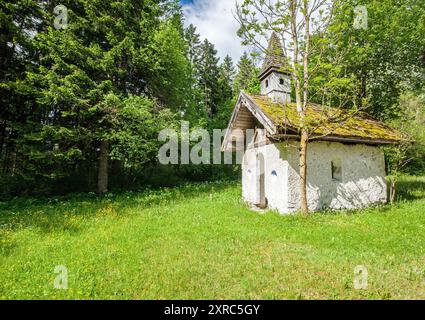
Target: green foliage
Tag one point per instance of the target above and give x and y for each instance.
(195, 111)
(227, 77)
(210, 100)
(330, 83)
(247, 77)
(120, 72)
(134, 134)
(87, 74)
(409, 157)
(209, 73)
(16, 98)
(194, 45)
(384, 57)
(167, 58)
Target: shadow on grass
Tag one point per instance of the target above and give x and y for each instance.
(62, 213)
(67, 214)
(410, 189)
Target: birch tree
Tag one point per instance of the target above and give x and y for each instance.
(301, 26)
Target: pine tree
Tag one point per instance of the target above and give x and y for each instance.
(247, 77)
(194, 45)
(226, 94)
(227, 76)
(209, 73)
(17, 18)
(87, 78)
(194, 111)
(81, 99)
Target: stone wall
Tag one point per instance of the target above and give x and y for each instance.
(362, 181)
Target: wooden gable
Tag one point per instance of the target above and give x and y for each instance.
(246, 115)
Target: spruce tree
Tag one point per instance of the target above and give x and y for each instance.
(194, 45)
(227, 76)
(209, 74)
(247, 76)
(88, 73)
(194, 111)
(18, 19)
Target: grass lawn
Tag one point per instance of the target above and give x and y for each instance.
(201, 242)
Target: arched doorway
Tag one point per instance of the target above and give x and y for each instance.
(261, 185)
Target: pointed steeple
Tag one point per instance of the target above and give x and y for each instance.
(274, 77)
(275, 57)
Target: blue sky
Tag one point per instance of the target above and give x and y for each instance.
(214, 20)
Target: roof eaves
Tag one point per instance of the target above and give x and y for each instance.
(335, 138)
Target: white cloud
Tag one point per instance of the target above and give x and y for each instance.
(214, 20)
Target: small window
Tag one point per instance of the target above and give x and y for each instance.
(282, 82)
(274, 176)
(336, 169)
(267, 83)
(249, 173)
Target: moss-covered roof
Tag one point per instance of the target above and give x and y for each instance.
(327, 121)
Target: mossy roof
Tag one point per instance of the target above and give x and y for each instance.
(325, 121)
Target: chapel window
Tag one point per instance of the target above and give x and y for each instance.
(336, 169)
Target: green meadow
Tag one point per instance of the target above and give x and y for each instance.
(200, 241)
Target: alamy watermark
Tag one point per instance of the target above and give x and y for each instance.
(61, 280)
(361, 277)
(198, 147)
(61, 17)
(360, 18)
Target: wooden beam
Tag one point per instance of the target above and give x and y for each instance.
(357, 140)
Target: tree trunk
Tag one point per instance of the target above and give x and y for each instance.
(8, 150)
(303, 172)
(13, 165)
(304, 132)
(2, 139)
(6, 161)
(362, 93)
(102, 180)
(393, 190)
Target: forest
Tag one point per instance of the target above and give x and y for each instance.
(82, 103)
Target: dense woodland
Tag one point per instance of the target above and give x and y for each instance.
(81, 107)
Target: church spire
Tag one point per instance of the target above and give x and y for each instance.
(275, 57)
(275, 81)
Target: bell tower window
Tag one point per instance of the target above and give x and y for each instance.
(275, 82)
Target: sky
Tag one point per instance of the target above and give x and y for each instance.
(214, 20)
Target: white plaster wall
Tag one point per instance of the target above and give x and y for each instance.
(276, 186)
(363, 176)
